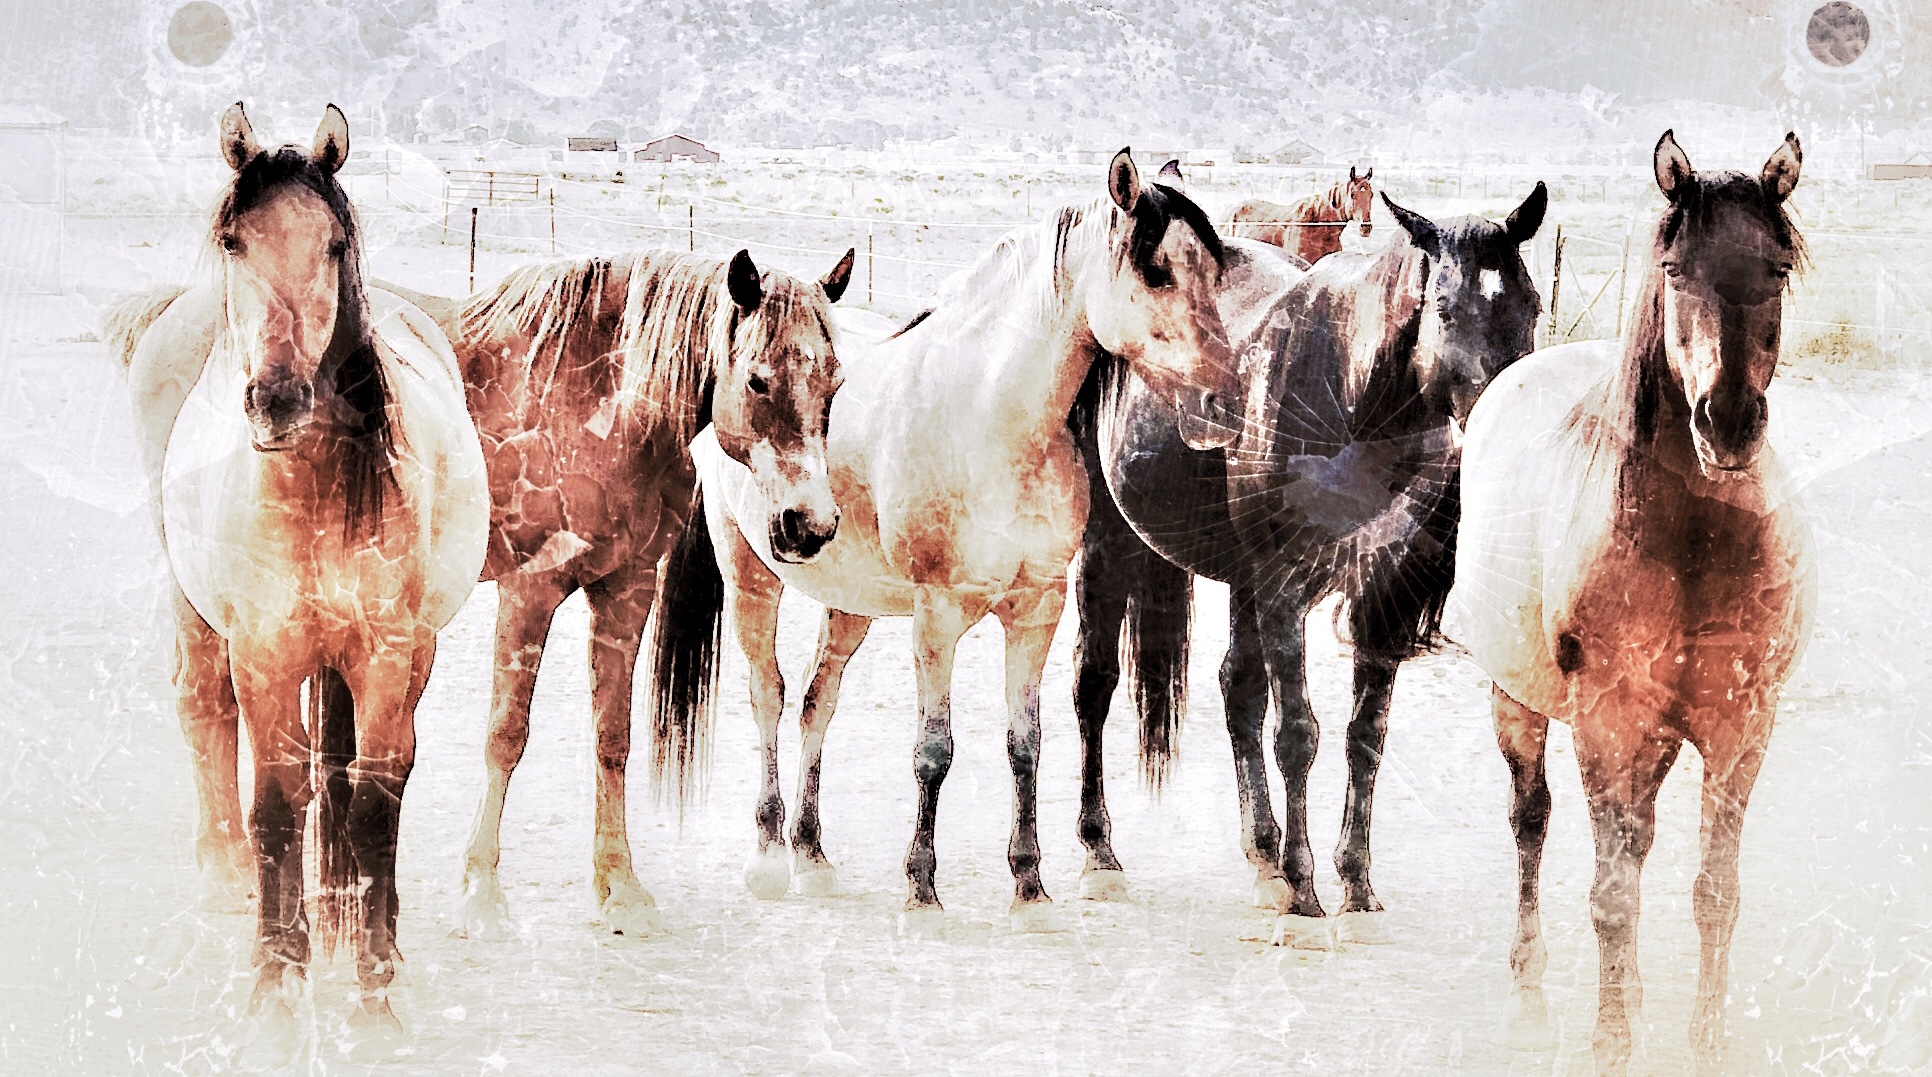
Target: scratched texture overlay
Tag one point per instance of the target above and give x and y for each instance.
(489, 134)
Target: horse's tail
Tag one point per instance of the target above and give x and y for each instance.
(1160, 618)
(1159, 594)
(332, 730)
(686, 633)
(128, 319)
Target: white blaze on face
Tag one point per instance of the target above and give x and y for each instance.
(1492, 283)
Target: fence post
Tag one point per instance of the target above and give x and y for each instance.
(870, 261)
(1556, 289)
(491, 196)
(553, 218)
(472, 249)
(446, 209)
(691, 226)
(1623, 275)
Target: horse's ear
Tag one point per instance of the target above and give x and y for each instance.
(1123, 180)
(1673, 168)
(1172, 170)
(1352, 177)
(1525, 219)
(1781, 171)
(331, 147)
(747, 291)
(238, 145)
(1369, 175)
(1422, 231)
(835, 279)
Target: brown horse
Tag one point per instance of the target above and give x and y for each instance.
(1630, 562)
(1311, 229)
(588, 379)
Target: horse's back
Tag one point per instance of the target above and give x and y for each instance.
(1520, 474)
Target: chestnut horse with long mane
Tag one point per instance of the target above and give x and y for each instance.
(588, 378)
(1311, 229)
(320, 492)
(1631, 562)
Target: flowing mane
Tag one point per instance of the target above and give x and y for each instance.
(678, 327)
(358, 377)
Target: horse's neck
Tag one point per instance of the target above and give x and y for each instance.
(1326, 207)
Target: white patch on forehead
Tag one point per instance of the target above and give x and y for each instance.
(1492, 283)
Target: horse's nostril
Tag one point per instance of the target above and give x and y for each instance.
(791, 526)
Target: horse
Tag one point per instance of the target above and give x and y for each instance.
(1343, 481)
(588, 378)
(962, 494)
(1312, 228)
(1631, 562)
(321, 495)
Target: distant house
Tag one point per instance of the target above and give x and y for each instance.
(576, 144)
(1917, 166)
(591, 155)
(1295, 153)
(676, 148)
(476, 134)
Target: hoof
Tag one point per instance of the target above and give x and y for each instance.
(767, 875)
(1034, 918)
(1273, 894)
(482, 913)
(1366, 928)
(1303, 932)
(1103, 884)
(629, 910)
(375, 1033)
(922, 922)
(1526, 1021)
(817, 880)
(272, 1039)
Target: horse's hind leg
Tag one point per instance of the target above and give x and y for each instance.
(1731, 763)
(1244, 697)
(525, 606)
(838, 638)
(1623, 766)
(1523, 735)
(1029, 628)
(755, 592)
(618, 611)
(1100, 593)
(211, 723)
(1368, 732)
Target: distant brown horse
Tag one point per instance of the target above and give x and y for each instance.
(588, 379)
(1311, 229)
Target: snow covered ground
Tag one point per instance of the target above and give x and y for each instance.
(109, 966)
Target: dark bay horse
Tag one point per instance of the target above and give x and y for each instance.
(1311, 229)
(588, 378)
(1631, 562)
(322, 499)
(963, 495)
(1343, 481)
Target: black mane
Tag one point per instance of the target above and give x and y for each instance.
(350, 362)
(1158, 205)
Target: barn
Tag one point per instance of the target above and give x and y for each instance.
(676, 148)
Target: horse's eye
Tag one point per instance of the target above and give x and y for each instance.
(1157, 276)
(757, 385)
(232, 244)
(1673, 270)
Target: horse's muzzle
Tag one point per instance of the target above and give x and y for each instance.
(1367, 228)
(1208, 420)
(797, 538)
(277, 411)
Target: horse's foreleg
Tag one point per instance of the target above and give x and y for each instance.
(211, 723)
(618, 611)
(270, 702)
(938, 620)
(1099, 592)
(525, 606)
(1244, 697)
(383, 684)
(1623, 766)
(1523, 735)
(1730, 771)
(838, 638)
(1368, 732)
(1029, 633)
(1284, 646)
(755, 593)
